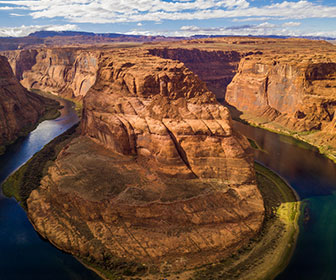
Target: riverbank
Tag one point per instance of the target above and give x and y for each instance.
(269, 253)
(262, 258)
(52, 107)
(265, 256)
(307, 139)
(78, 106)
(27, 178)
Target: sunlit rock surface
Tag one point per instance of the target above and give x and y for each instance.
(157, 176)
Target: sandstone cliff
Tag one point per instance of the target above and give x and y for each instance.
(285, 85)
(68, 72)
(216, 68)
(289, 94)
(158, 176)
(19, 109)
(300, 93)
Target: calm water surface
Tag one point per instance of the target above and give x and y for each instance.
(314, 178)
(23, 254)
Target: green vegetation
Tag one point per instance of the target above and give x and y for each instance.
(115, 269)
(51, 105)
(78, 105)
(51, 112)
(268, 253)
(27, 178)
(2, 149)
(253, 144)
(263, 257)
(297, 142)
(309, 140)
(78, 108)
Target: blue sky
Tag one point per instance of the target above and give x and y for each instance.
(171, 18)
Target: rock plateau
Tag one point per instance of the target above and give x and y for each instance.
(157, 176)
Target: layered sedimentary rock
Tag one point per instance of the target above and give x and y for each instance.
(298, 93)
(216, 68)
(289, 94)
(158, 175)
(285, 85)
(69, 72)
(19, 109)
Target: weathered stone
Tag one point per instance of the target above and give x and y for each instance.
(69, 72)
(19, 109)
(158, 175)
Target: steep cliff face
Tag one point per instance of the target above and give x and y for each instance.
(69, 72)
(283, 85)
(157, 177)
(216, 68)
(289, 94)
(299, 94)
(19, 109)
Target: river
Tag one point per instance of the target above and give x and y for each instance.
(23, 253)
(313, 176)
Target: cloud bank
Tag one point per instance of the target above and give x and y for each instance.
(115, 11)
(262, 29)
(23, 30)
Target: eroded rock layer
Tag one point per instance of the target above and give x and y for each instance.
(216, 68)
(158, 176)
(299, 93)
(19, 109)
(69, 72)
(284, 85)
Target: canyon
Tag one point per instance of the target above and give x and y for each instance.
(156, 176)
(68, 72)
(287, 86)
(20, 110)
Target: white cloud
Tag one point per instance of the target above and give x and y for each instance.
(266, 25)
(291, 24)
(262, 29)
(251, 19)
(26, 30)
(322, 34)
(139, 24)
(16, 15)
(6, 8)
(114, 11)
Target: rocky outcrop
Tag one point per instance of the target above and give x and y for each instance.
(297, 94)
(68, 72)
(19, 109)
(290, 95)
(158, 175)
(217, 68)
(284, 85)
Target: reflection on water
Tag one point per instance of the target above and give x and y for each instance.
(23, 254)
(314, 178)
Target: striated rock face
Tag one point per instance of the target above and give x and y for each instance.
(283, 85)
(19, 109)
(298, 94)
(216, 68)
(66, 71)
(157, 176)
